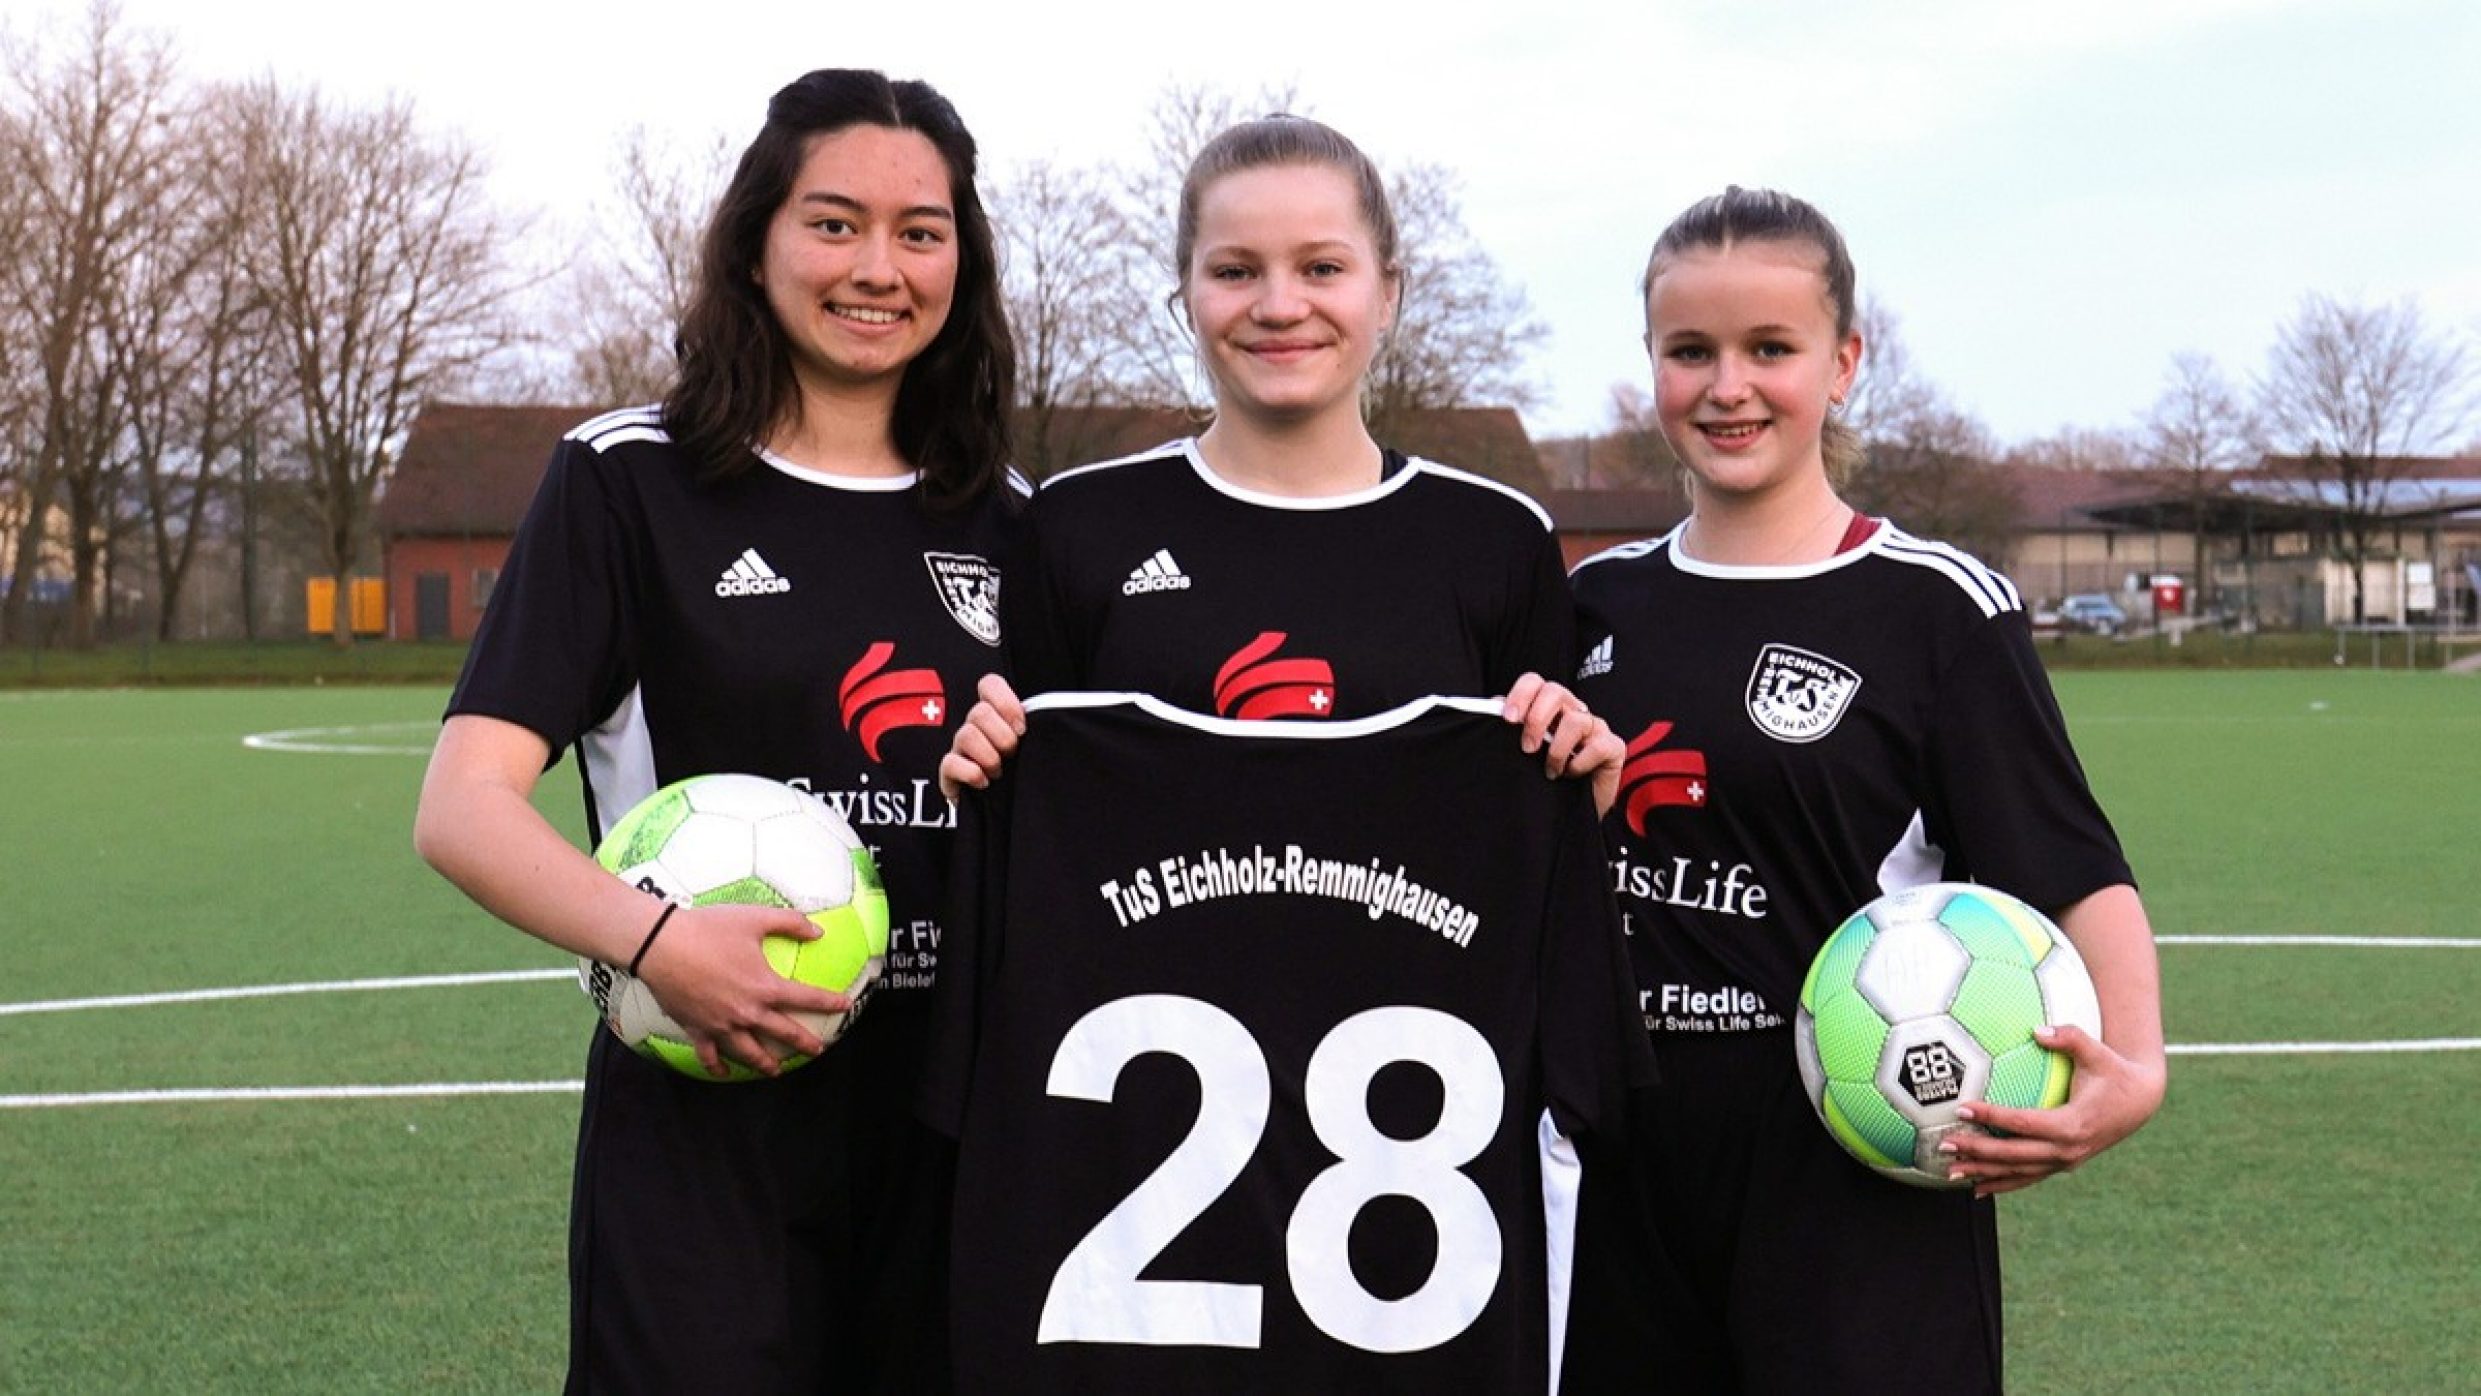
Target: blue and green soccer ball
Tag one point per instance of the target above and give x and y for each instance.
(745, 840)
(1926, 1000)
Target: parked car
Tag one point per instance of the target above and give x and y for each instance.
(2092, 611)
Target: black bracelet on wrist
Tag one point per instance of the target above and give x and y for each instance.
(653, 931)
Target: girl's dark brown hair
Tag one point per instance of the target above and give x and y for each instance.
(735, 383)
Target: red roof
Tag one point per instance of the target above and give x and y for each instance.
(471, 468)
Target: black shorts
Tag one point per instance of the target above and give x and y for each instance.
(1732, 1246)
(761, 1236)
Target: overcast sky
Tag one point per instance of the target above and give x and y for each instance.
(2054, 199)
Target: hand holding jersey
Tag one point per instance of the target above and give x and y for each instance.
(984, 740)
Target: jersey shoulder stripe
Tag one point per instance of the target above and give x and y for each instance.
(1449, 472)
(1167, 449)
(1018, 485)
(642, 423)
(1625, 552)
(1989, 588)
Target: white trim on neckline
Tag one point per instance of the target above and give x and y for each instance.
(1197, 462)
(866, 484)
(1698, 567)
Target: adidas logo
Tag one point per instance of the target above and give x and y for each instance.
(749, 575)
(1597, 660)
(1159, 573)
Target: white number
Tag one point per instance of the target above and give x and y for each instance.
(1374, 1164)
(1096, 1296)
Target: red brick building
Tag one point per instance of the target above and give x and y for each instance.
(452, 507)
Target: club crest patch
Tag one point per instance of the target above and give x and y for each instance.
(969, 587)
(1796, 696)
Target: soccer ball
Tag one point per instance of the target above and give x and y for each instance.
(747, 841)
(1924, 1000)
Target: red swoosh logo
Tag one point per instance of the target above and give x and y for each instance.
(1251, 686)
(875, 700)
(1650, 778)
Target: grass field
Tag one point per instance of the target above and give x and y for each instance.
(2295, 1221)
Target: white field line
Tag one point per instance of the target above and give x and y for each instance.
(262, 991)
(231, 1093)
(2375, 942)
(2281, 1049)
(468, 1088)
(316, 740)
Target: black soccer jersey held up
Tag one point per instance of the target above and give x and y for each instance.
(1254, 1088)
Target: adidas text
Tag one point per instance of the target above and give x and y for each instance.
(1157, 573)
(749, 575)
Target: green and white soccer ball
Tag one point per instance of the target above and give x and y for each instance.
(1925, 1000)
(747, 841)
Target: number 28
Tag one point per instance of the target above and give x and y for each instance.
(1096, 1295)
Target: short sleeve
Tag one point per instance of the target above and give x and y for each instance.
(1539, 634)
(1034, 621)
(552, 652)
(2013, 801)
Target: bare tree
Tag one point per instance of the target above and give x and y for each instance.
(203, 378)
(87, 152)
(381, 268)
(2197, 433)
(20, 378)
(1157, 352)
(1462, 332)
(1077, 277)
(1936, 478)
(1886, 389)
(2094, 450)
(1632, 454)
(624, 304)
(1928, 463)
(2350, 393)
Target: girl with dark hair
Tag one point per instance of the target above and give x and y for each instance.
(722, 583)
(1863, 711)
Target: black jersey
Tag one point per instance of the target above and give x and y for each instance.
(1153, 575)
(822, 631)
(817, 629)
(1254, 1087)
(1802, 739)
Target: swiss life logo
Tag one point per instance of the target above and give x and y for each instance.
(1254, 684)
(875, 699)
(1651, 777)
